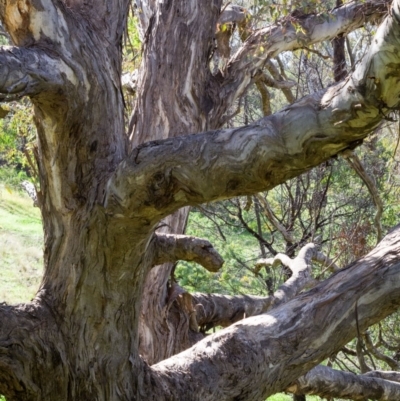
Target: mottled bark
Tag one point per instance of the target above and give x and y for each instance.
(339, 57)
(172, 99)
(326, 382)
(172, 248)
(188, 99)
(101, 205)
(272, 348)
(242, 67)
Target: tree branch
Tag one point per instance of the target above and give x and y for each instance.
(276, 348)
(172, 248)
(29, 72)
(326, 382)
(286, 35)
(287, 235)
(384, 374)
(301, 273)
(162, 176)
(379, 355)
(353, 160)
(29, 333)
(224, 310)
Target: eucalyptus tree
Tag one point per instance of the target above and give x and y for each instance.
(104, 193)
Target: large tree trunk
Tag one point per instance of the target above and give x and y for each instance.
(101, 204)
(178, 95)
(172, 100)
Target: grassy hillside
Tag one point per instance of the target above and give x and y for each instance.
(21, 240)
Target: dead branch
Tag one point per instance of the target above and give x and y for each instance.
(354, 161)
(172, 248)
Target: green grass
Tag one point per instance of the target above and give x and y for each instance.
(287, 397)
(21, 243)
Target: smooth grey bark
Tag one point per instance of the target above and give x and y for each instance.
(101, 206)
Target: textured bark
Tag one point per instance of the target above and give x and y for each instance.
(79, 338)
(174, 81)
(189, 99)
(339, 57)
(243, 66)
(271, 349)
(223, 310)
(326, 382)
(172, 248)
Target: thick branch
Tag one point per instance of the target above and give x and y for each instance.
(30, 352)
(269, 42)
(275, 349)
(384, 374)
(224, 310)
(326, 382)
(28, 72)
(172, 248)
(162, 176)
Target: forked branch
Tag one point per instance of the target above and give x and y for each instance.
(224, 310)
(288, 338)
(161, 176)
(290, 34)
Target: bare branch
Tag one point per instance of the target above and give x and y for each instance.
(232, 14)
(288, 236)
(301, 273)
(271, 82)
(224, 310)
(384, 374)
(325, 261)
(286, 35)
(162, 176)
(279, 76)
(358, 167)
(327, 382)
(379, 355)
(171, 248)
(292, 337)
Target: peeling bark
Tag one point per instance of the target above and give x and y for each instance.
(284, 339)
(101, 204)
(326, 382)
(269, 42)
